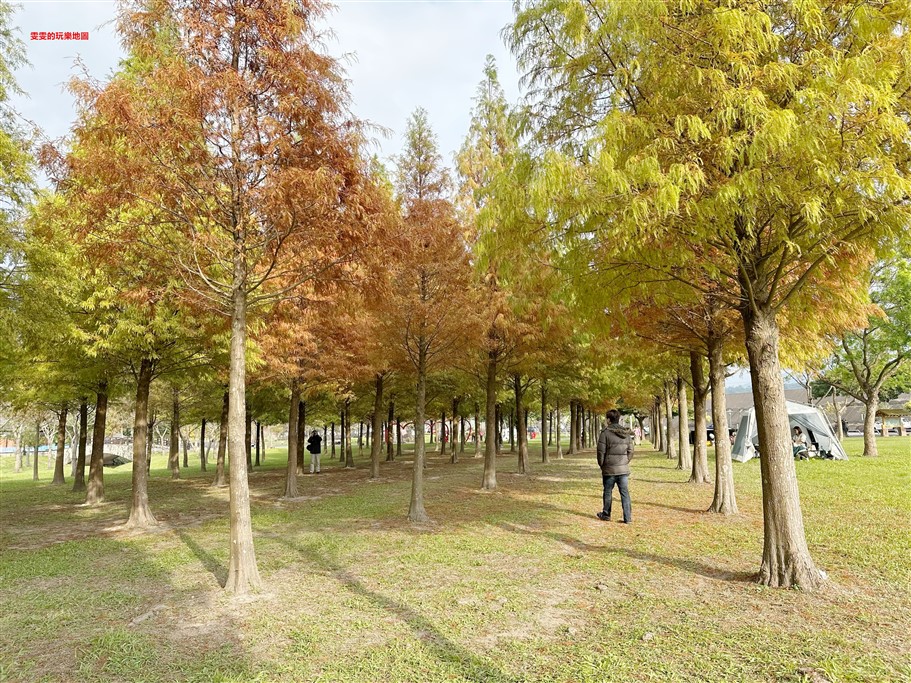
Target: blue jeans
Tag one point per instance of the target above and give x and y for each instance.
(622, 482)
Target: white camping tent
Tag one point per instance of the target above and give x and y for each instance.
(808, 418)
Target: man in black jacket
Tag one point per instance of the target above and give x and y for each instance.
(615, 450)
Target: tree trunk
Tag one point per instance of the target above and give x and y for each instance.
(725, 500)
(871, 406)
(786, 560)
(17, 462)
(683, 427)
(37, 446)
(360, 438)
(557, 427)
(572, 427)
(545, 456)
(293, 443)
(657, 428)
(349, 454)
(259, 430)
(390, 455)
(669, 441)
(202, 446)
(248, 437)
(489, 479)
(243, 573)
(498, 428)
(376, 447)
(700, 464)
(141, 516)
(174, 443)
(476, 435)
(95, 490)
(512, 434)
(416, 511)
(61, 446)
(301, 426)
(453, 433)
(220, 478)
(443, 439)
(521, 430)
(185, 440)
(332, 456)
(79, 475)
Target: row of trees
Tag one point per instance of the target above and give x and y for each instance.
(686, 187)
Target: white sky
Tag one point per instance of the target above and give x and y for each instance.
(406, 54)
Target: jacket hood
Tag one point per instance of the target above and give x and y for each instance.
(619, 430)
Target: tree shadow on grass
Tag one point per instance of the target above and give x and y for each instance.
(473, 667)
(218, 570)
(688, 565)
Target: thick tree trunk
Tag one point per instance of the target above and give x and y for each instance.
(700, 464)
(657, 427)
(725, 500)
(786, 560)
(349, 454)
(461, 434)
(202, 446)
(398, 437)
(95, 489)
(141, 516)
(61, 446)
(293, 443)
(376, 447)
(243, 573)
(669, 441)
(301, 426)
(545, 456)
(220, 478)
(684, 461)
(174, 443)
(489, 480)
(871, 406)
(79, 474)
(521, 429)
(416, 511)
(332, 456)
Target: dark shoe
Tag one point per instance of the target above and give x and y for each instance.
(623, 521)
(603, 517)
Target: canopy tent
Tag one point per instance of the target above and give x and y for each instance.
(808, 418)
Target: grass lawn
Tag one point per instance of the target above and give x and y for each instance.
(522, 584)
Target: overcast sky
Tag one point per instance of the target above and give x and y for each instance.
(404, 55)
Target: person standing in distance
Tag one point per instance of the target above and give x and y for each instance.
(615, 450)
(314, 445)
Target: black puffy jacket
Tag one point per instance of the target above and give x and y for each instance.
(615, 450)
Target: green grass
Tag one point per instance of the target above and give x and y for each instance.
(521, 584)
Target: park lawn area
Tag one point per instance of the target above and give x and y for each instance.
(522, 584)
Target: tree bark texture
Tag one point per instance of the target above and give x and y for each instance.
(700, 461)
(725, 500)
(141, 516)
(174, 442)
(489, 479)
(416, 511)
(786, 560)
(59, 477)
(95, 489)
(293, 466)
(220, 478)
(376, 446)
